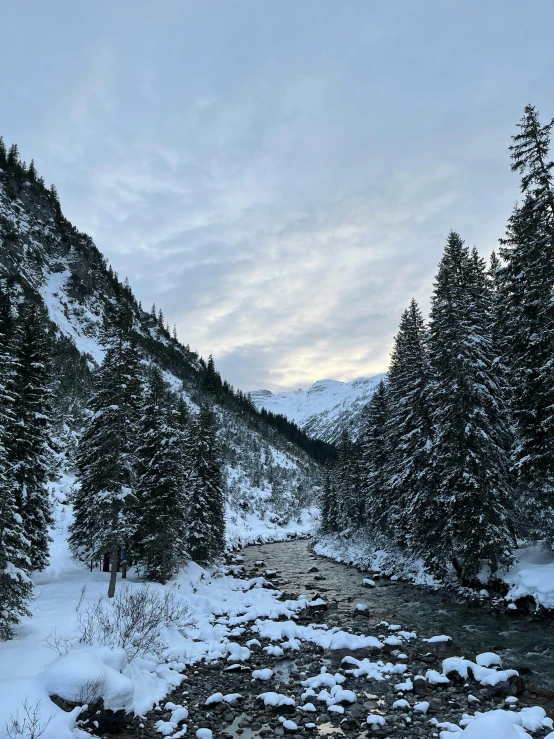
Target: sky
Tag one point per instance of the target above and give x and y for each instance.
(278, 176)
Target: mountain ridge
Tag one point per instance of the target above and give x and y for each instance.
(45, 259)
(326, 409)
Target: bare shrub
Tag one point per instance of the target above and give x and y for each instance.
(82, 595)
(134, 619)
(30, 725)
(91, 691)
(59, 644)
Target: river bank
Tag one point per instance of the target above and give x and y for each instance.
(526, 588)
(336, 662)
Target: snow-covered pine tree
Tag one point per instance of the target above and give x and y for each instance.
(15, 583)
(30, 456)
(329, 507)
(527, 310)
(409, 429)
(374, 461)
(103, 504)
(468, 518)
(206, 510)
(501, 346)
(159, 538)
(347, 485)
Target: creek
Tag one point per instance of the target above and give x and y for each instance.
(522, 641)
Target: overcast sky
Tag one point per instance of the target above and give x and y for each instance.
(278, 176)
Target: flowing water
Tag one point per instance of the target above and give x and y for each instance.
(520, 640)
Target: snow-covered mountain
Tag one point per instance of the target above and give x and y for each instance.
(326, 409)
(269, 479)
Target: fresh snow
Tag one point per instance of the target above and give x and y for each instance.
(30, 670)
(532, 575)
(326, 408)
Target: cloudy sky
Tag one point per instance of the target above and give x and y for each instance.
(279, 176)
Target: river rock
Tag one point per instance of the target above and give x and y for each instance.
(517, 685)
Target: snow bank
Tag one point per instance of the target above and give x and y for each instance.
(532, 575)
(31, 669)
(498, 724)
(16, 695)
(358, 549)
(244, 529)
(80, 676)
(333, 638)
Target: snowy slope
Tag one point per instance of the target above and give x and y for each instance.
(269, 480)
(326, 409)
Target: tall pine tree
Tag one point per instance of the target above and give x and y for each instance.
(206, 511)
(374, 461)
(329, 506)
(103, 506)
(409, 429)
(15, 564)
(468, 514)
(347, 485)
(527, 311)
(159, 539)
(30, 456)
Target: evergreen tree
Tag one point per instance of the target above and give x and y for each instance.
(527, 315)
(54, 194)
(210, 381)
(409, 429)
(159, 539)
(32, 172)
(13, 156)
(374, 460)
(15, 583)
(329, 507)
(30, 455)
(468, 519)
(206, 511)
(104, 502)
(347, 485)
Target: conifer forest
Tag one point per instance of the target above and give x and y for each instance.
(370, 556)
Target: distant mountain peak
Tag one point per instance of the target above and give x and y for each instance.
(326, 408)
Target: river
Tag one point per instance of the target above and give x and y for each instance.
(520, 640)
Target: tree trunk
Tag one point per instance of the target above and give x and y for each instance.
(164, 567)
(124, 563)
(458, 567)
(113, 573)
(106, 563)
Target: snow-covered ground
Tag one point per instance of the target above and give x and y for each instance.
(359, 550)
(249, 528)
(326, 408)
(220, 606)
(531, 575)
(31, 669)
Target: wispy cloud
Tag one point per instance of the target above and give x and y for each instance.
(279, 178)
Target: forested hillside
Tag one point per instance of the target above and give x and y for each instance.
(171, 462)
(456, 463)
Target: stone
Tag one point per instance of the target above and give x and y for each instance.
(517, 685)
